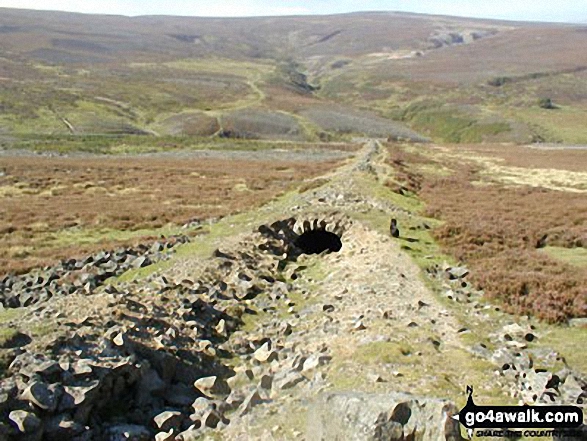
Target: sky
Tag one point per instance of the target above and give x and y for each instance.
(572, 11)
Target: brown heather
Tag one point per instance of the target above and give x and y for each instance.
(41, 196)
(495, 229)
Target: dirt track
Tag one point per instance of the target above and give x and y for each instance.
(362, 319)
(368, 309)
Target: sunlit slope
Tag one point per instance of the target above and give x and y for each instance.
(442, 78)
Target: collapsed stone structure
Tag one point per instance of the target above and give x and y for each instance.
(158, 369)
(172, 359)
(88, 273)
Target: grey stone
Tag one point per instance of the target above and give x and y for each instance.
(266, 382)
(359, 326)
(328, 308)
(211, 418)
(221, 327)
(298, 362)
(166, 436)
(78, 395)
(573, 389)
(391, 417)
(234, 400)
(168, 420)
(128, 432)
(151, 383)
(141, 262)
(192, 433)
(7, 393)
(252, 400)
(375, 378)
(40, 395)
(578, 322)
(122, 340)
(212, 386)
(285, 329)
(180, 395)
(157, 247)
(265, 354)
(457, 272)
(62, 427)
(82, 368)
(201, 405)
(315, 360)
(289, 380)
(26, 422)
(47, 368)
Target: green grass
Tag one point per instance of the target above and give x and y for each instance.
(42, 329)
(425, 252)
(567, 341)
(566, 124)
(134, 144)
(473, 113)
(87, 236)
(6, 334)
(449, 124)
(222, 66)
(382, 352)
(573, 256)
(203, 246)
(8, 315)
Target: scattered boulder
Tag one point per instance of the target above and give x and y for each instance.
(252, 400)
(315, 360)
(457, 272)
(288, 380)
(88, 273)
(166, 436)
(40, 395)
(265, 354)
(359, 416)
(26, 422)
(393, 228)
(202, 404)
(266, 382)
(212, 386)
(62, 427)
(168, 420)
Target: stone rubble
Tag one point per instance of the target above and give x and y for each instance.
(88, 273)
(149, 375)
(168, 359)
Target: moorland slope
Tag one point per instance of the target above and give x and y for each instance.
(446, 78)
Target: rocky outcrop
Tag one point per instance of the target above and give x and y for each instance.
(158, 370)
(394, 417)
(85, 274)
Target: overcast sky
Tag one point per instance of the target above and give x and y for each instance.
(532, 10)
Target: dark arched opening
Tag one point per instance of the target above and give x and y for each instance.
(317, 241)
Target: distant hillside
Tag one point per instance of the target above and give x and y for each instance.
(93, 38)
(65, 73)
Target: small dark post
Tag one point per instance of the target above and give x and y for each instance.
(541, 243)
(393, 229)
